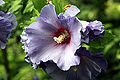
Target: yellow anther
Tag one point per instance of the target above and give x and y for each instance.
(59, 39)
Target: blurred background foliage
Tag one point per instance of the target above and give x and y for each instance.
(12, 64)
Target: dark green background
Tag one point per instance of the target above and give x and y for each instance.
(12, 63)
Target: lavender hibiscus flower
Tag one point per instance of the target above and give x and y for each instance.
(1, 2)
(7, 24)
(53, 38)
(91, 30)
(90, 66)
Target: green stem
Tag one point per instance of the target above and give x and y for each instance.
(6, 63)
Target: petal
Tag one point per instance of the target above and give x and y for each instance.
(92, 30)
(61, 16)
(12, 19)
(74, 24)
(40, 46)
(98, 58)
(25, 41)
(4, 36)
(67, 58)
(52, 70)
(87, 70)
(1, 2)
(74, 27)
(96, 25)
(40, 29)
(84, 31)
(5, 30)
(71, 11)
(7, 24)
(84, 25)
(48, 15)
(2, 45)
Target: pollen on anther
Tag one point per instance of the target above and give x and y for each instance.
(59, 39)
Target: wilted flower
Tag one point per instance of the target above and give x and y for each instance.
(91, 30)
(53, 38)
(1, 2)
(90, 66)
(7, 24)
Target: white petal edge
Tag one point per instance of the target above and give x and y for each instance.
(84, 24)
(71, 11)
(2, 2)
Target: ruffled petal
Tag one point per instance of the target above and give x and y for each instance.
(61, 16)
(12, 19)
(84, 25)
(87, 70)
(48, 15)
(92, 30)
(6, 26)
(98, 58)
(71, 11)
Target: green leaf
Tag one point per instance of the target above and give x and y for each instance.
(59, 5)
(28, 22)
(29, 7)
(101, 42)
(36, 12)
(16, 6)
(39, 4)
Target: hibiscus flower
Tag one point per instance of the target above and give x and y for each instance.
(53, 37)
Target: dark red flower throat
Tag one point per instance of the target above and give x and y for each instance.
(62, 36)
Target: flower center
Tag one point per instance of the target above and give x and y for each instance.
(62, 38)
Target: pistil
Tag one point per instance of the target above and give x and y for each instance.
(61, 38)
